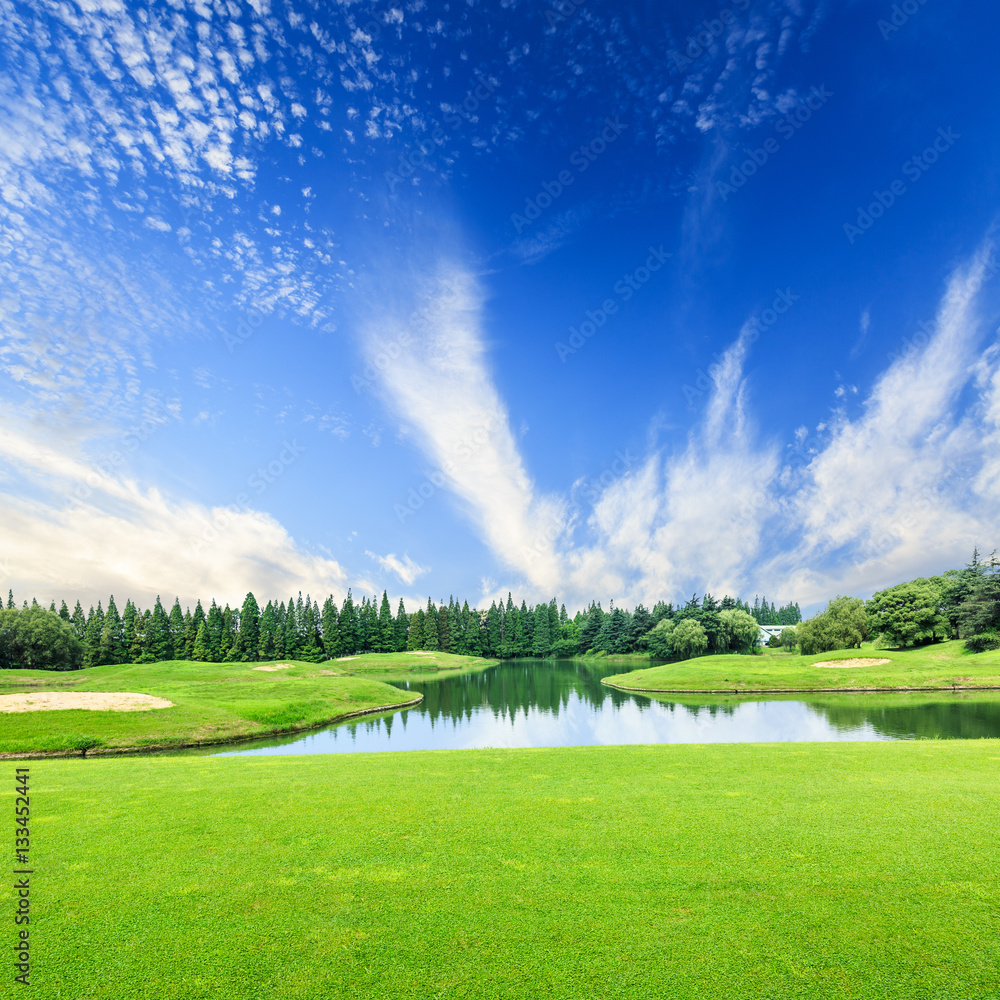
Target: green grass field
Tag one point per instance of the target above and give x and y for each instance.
(943, 665)
(420, 665)
(213, 702)
(864, 870)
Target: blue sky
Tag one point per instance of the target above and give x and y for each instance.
(601, 300)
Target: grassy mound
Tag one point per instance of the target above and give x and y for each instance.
(420, 665)
(813, 871)
(944, 665)
(213, 703)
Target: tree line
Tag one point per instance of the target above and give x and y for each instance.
(957, 604)
(301, 629)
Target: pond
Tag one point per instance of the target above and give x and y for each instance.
(555, 703)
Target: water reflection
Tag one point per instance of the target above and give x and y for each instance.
(563, 703)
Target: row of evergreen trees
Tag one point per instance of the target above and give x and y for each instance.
(300, 629)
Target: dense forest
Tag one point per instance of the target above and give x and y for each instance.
(301, 629)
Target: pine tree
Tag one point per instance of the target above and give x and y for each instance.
(64, 612)
(349, 636)
(138, 651)
(265, 644)
(415, 636)
(367, 625)
(541, 641)
(641, 623)
(291, 636)
(444, 629)
(312, 649)
(248, 638)
(92, 637)
(202, 649)
(431, 637)
(280, 615)
(331, 629)
(176, 623)
(216, 626)
(475, 632)
(159, 641)
(230, 630)
(386, 626)
(79, 622)
(128, 629)
(10, 599)
(493, 636)
(510, 630)
(197, 620)
(590, 629)
(112, 641)
(400, 628)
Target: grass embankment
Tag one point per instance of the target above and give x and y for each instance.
(213, 702)
(827, 871)
(420, 665)
(943, 666)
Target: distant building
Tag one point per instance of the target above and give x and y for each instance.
(768, 631)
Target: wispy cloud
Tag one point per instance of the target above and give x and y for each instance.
(905, 488)
(406, 569)
(864, 325)
(901, 488)
(439, 383)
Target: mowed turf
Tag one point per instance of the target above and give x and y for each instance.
(213, 702)
(771, 871)
(942, 665)
(419, 665)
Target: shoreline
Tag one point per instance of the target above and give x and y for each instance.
(773, 690)
(152, 748)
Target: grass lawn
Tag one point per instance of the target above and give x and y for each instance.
(863, 870)
(213, 702)
(943, 665)
(420, 665)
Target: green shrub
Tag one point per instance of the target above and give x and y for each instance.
(990, 639)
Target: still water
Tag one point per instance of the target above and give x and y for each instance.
(557, 703)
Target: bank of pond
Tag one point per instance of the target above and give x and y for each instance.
(422, 701)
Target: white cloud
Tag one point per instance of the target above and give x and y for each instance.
(904, 489)
(87, 530)
(406, 569)
(438, 381)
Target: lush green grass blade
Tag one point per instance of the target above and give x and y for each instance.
(827, 871)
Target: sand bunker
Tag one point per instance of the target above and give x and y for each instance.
(98, 701)
(851, 663)
(275, 666)
(328, 673)
(421, 652)
(340, 659)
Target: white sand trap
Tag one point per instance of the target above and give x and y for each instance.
(275, 666)
(98, 701)
(340, 659)
(328, 673)
(851, 663)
